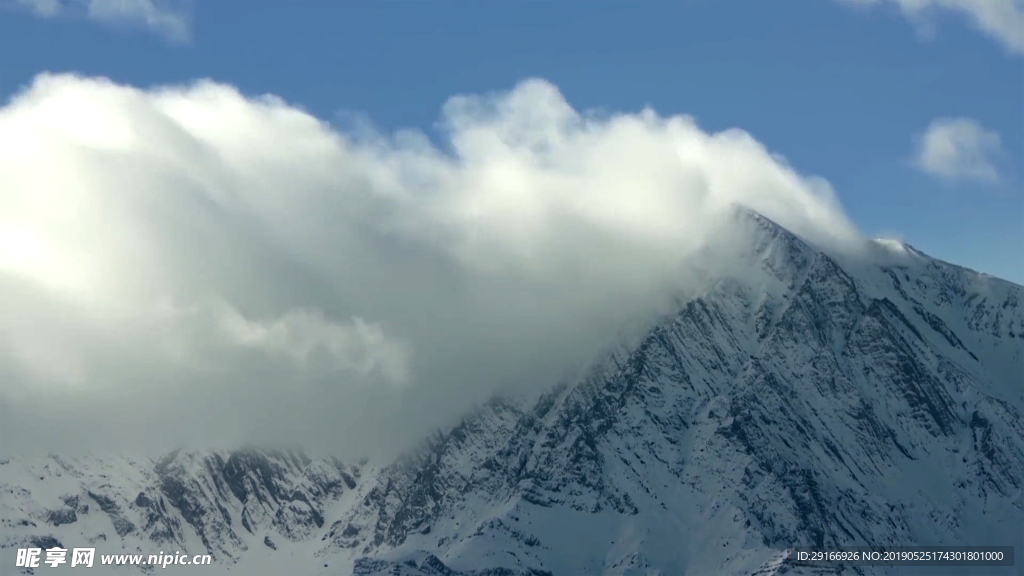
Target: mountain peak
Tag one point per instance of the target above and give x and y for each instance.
(820, 402)
(898, 247)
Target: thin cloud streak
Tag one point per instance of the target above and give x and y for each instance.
(168, 18)
(1001, 20)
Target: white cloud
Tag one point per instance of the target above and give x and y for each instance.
(44, 8)
(187, 264)
(958, 149)
(1002, 20)
(169, 18)
(301, 334)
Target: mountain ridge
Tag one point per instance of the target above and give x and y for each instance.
(821, 399)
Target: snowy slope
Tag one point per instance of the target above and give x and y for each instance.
(819, 398)
(225, 505)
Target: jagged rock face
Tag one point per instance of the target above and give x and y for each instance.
(826, 404)
(822, 400)
(209, 503)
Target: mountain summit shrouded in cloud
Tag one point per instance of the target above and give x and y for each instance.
(824, 401)
(188, 264)
(290, 289)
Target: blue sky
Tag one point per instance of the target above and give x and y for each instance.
(845, 89)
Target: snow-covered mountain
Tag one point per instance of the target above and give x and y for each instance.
(824, 399)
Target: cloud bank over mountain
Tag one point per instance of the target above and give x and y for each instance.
(190, 264)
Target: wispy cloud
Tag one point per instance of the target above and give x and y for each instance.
(1002, 20)
(168, 18)
(958, 149)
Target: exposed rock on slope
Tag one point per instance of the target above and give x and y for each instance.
(819, 400)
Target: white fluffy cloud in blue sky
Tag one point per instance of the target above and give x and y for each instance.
(958, 149)
(192, 265)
